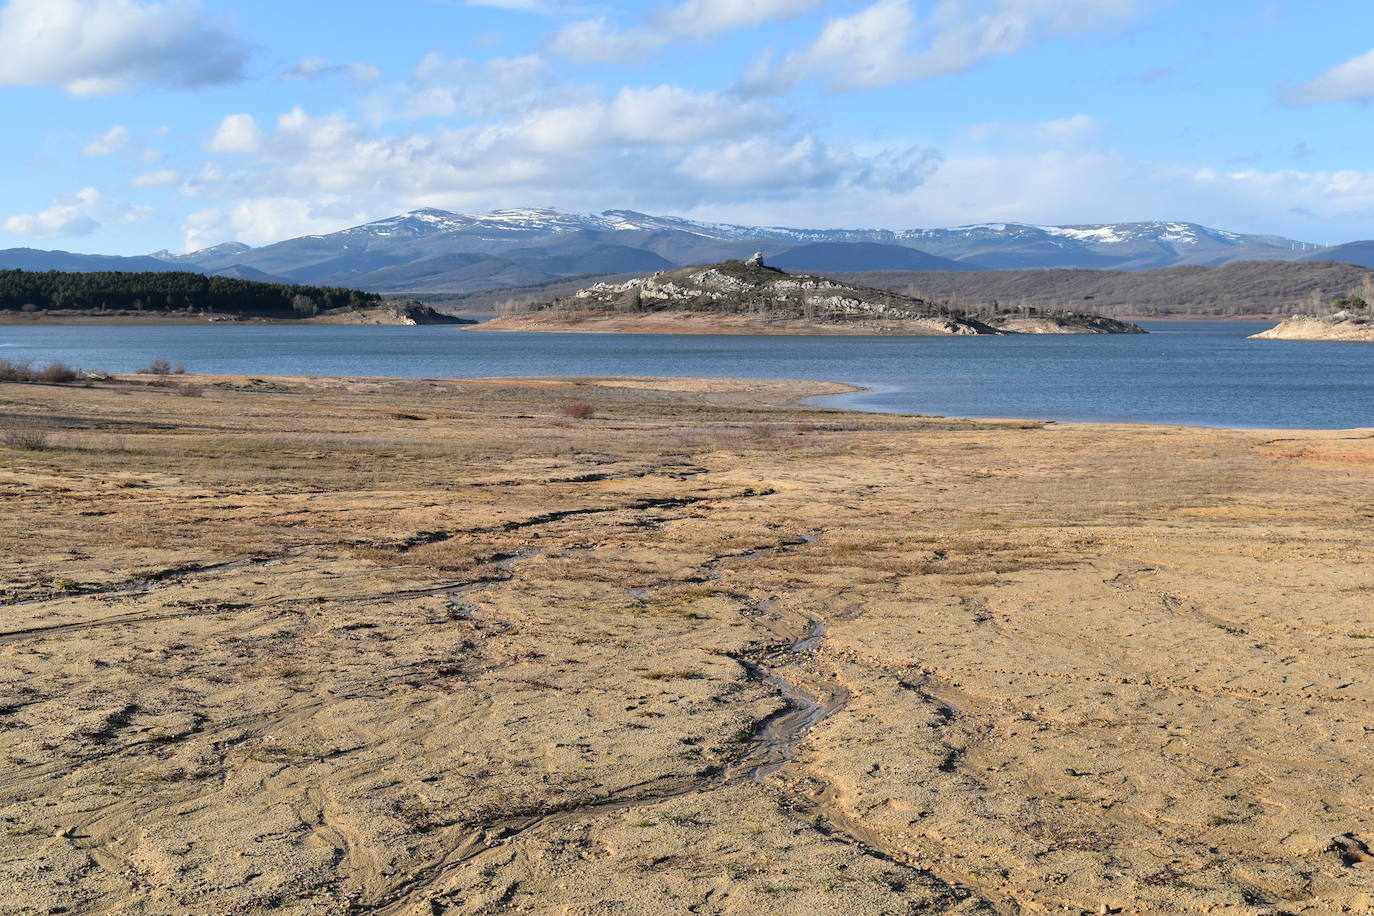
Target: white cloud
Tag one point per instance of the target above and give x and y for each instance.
(317, 68)
(71, 215)
(659, 116)
(101, 47)
(161, 178)
(1059, 133)
(707, 18)
(886, 43)
(114, 140)
(660, 147)
(237, 133)
(1353, 79)
(595, 41)
(524, 6)
(442, 87)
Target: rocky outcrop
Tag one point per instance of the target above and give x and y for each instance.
(1064, 323)
(1344, 325)
(407, 312)
(769, 300)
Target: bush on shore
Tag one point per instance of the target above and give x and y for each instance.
(54, 373)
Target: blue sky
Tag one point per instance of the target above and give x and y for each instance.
(136, 125)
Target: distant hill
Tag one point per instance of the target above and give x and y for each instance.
(436, 251)
(239, 272)
(33, 259)
(837, 256)
(1243, 288)
(1361, 253)
(169, 291)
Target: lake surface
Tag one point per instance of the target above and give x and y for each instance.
(1196, 373)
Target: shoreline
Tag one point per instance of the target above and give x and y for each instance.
(698, 384)
(301, 638)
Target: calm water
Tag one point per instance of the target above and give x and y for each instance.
(1198, 373)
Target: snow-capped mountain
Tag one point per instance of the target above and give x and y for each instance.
(194, 258)
(433, 250)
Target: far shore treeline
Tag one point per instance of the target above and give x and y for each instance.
(173, 291)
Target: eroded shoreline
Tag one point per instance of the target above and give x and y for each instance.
(384, 645)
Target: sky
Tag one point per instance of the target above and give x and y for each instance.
(138, 125)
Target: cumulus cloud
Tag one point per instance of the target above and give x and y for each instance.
(160, 178)
(442, 87)
(267, 219)
(669, 150)
(886, 42)
(650, 147)
(708, 18)
(1350, 80)
(114, 140)
(237, 133)
(595, 40)
(524, 6)
(101, 47)
(318, 68)
(71, 215)
(1058, 133)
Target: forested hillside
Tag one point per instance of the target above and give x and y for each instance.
(1242, 288)
(174, 291)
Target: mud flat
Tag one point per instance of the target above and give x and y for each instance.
(326, 646)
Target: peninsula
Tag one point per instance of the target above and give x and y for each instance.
(183, 297)
(750, 297)
(1345, 325)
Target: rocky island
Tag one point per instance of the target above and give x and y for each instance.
(750, 297)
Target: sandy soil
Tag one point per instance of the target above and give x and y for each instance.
(432, 647)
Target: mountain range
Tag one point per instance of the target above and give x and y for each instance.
(436, 251)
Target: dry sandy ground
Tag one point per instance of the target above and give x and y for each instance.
(430, 647)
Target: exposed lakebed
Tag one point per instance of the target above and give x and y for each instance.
(1198, 373)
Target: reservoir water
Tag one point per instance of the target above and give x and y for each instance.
(1203, 373)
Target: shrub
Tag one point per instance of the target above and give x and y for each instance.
(56, 373)
(12, 371)
(23, 371)
(157, 367)
(579, 410)
(190, 391)
(26, 439)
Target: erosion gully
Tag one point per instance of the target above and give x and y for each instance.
(797, 638)
(773, 743)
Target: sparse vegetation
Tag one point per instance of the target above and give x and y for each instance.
(25, 438)
(54, 373)
(162, 367)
